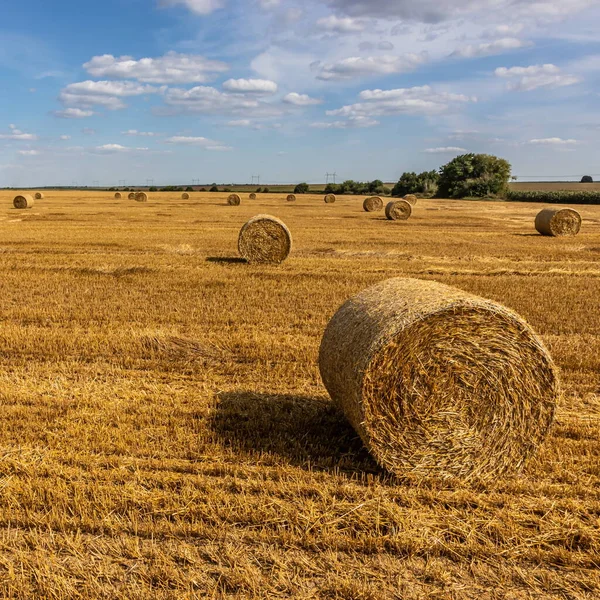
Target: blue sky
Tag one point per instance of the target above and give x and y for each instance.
(220, 90)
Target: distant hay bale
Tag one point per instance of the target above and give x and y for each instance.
(265, 239)
(39, 196)
(398, 210)
(411, 199)
(131, 196)
(438, 382)
(252, 196)
(185, 196)
(118, 196)
(291, 198)
(558, 222)
(141, 197)
(373, 204)
(330, 198)
(23, 201)
(234, 200)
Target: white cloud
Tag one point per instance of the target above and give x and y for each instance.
(553, 141)
(444, 150)
(413, 101)
(340, 24)
(240, 123)
(200, 7)
(353, 122)
(103, 93)
(300, 99)
(219, 148)
(18, 135)
(269, 3)
(191, 141)
(170, 68)
(250, 86)
(29, 152)
(115, 149)
(526, 79)
(73, 113)
(135, 132)
(490, 48)
(356, 66)
(65, 137)
(88, 131)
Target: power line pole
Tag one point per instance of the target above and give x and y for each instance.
(149, 182)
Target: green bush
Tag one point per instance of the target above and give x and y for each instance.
(411, 183)
(258, 190)
(152, 189)
(189, 188)
(214, 188)
(302, 188)
(474, 175)
(587, 179)
(265, 190)
(558, 197)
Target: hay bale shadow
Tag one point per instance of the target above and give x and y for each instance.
(307, 432)
(234, 260)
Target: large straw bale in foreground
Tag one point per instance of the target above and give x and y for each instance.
(330, 198)
(438, 382)
(411, 199)
(141, 197)
(118, 196)
(398, 210)
(558, 221)
(373, 204)
(23, 201)
(234, 200)
(39, 196)
(265, 239)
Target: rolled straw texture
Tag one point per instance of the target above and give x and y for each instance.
(185, 196)
(411, 199)
(252, 196)
(558, 222)
(398, 210)
(234, 200)
(23, 201)
(373, 204)
(117, 196)
(131, 196)
(39, 196)
(141, 197)
(265, 239)
(330, 198)
(291, 198)
(437, 382)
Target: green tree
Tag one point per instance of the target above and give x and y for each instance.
(301, 188)
(409, 183)
(332, 188)
(265, 190)
(189, 188)
(152, 189)
(476, 175)
(214, 188)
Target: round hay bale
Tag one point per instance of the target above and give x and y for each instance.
(118, 196)
(39, 196)
(291, 198)
(234, 200)
(398, 210)
(558, 222)
(252, 196)
(23, 201)
(438, 382)
(131, 196)
(265, 239)
(185, 196)
(372, 204)
(141, 197)
(411, 199)
(330, 198)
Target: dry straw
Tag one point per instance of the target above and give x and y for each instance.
(141, 197)
(438, 382)
(373, 204)
(117, 196)
(291, 198)
(330, 198)
(234, 200)
(265, 239)
(398, 210)
(252, 196)
(411, 199)
(39, 196)
(558, 222)
(185, 196)
(131, 196)
(23, 201)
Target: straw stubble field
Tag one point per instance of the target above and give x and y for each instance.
(165, 433)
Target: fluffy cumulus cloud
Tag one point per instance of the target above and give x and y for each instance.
(301, 99)
(404, 101)
(135, 133)
(250, 86)
(115, 149)
(65, 137)
(107, 94)
(352, 122)
(17, 135)
(340, 24)
(490, 48)
(526, 79)
(199, 7)
(29, 152)
(553, 141)
(73, 113)
(203, 142)
(170, 68)
(349, 68)
(445, 150)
